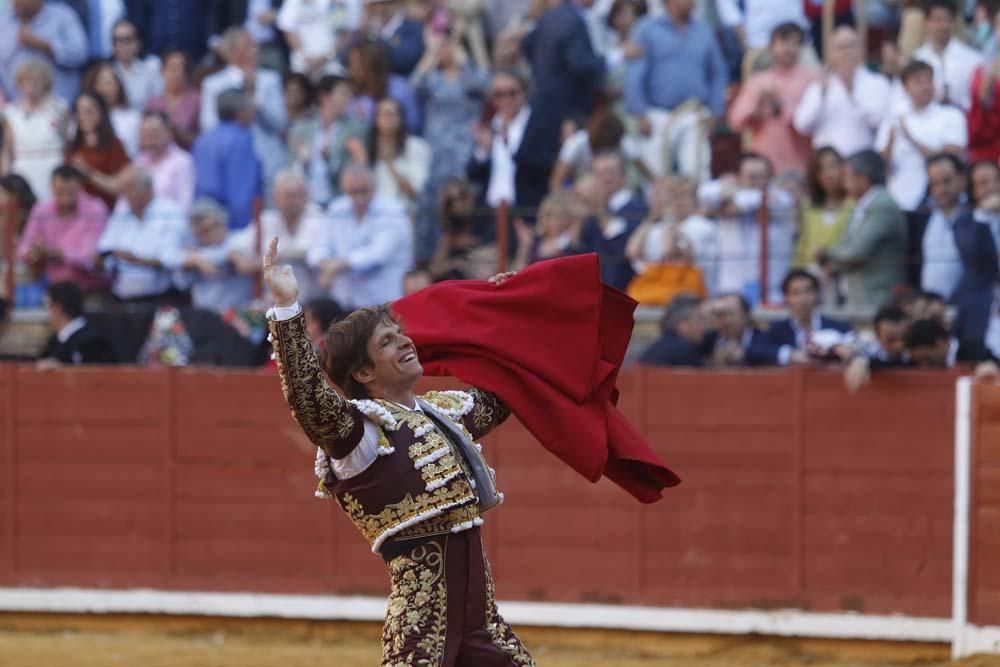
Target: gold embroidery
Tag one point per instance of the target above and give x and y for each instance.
(416, 619)
(501, 634)
(409, 511)
(442, 523)
(430, 443)
(326, 418)
(488, 411)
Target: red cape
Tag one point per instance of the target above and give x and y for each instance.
(549, 342)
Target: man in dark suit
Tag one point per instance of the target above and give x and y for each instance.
(169, 24)
(565, 68)
(683, 339)
(620, 212)
(388, 21)
(736, 342)
(73, 340)
(515, 153)
(805, 332)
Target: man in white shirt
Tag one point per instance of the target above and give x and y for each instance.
(736, 204)
(953, 61)
(755, 20)
(907, 139)
(312, 29)
(143, 231)
(367, 247)
(242, 55)
(844, 108)
(298, 225)
(171, 167)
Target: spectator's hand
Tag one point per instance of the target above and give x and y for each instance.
(267, 17)
(501, 278)
(30, 40)
(986, 370)
(243, 264)
(483, 134)
(645, 127)
(201, 264)
(280, 280)
(769, 104)
(857, 374)
(356, 150)
(125, 256)
(328, 270)
(991, 203)
(525, 234)
(47, 364)
(843, 352)
(905, 132)
(432, 39)
(798, 358)
(633, 51)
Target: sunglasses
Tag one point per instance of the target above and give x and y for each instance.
(501, 93)
(123, 39)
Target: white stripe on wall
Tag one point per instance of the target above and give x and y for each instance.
(960, 528)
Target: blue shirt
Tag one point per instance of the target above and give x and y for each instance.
(678, 64)
(227, 170)
(58, 25)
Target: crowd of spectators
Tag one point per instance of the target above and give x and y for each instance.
(716, 155)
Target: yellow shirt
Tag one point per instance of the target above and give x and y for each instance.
(820, 229)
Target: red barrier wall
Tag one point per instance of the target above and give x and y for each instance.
(984, 517)
(794, 494)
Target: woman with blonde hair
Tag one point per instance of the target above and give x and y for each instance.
(34, 126)
(556, 234)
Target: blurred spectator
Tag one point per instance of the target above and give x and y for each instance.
(452, 90)
(369, 70)
(872, 249)
(140, 76)
(843, 14)
(556, 234)
(171, 167)
(682, 342)
(824, 215)
(140, 235)
(984, 112)
(401, 162)
(566, 71)
(736, 341)
(906, 139)
(33, 126)
(984, 176)
(264, 88)
(328, 146)
(180, 100)
(768, 99)
(94, 148)
(679, 74)
(320, 314)
(930, 346)
(225, 164)
(60, 239)
(201, 261)
(953, 61)
(461, 253)
(367, 246)
(387, 20)
(621, 19)
(186, 25)
(299, 101)
(736, 203)
(295, 221)
(311, 28)
(608, 228)
(806, 333)
(604, 131)
(514, 154)
(100, 78)
(676, 232)
(755, 20)
(260, 22)
(46, 31)
(15, 190)
(73, 341)
(98, 18)
(844, 108)
(886, 350)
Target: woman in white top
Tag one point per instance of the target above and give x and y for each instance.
(675, 232)
(34, 127)
(102, 79)
(401, 162)
(140, 77)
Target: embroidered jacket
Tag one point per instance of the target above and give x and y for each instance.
(421, 482)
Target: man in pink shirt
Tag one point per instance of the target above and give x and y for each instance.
(60, 238)
(767, 101)
(171, 167)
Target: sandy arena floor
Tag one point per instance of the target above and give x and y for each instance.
(84, 641)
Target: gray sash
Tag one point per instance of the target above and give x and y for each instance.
(486, 488)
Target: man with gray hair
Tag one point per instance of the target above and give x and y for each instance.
(872, 250)
(225, 164)
(264, 87)
(683, 341)
(367, 245)
(298, 225)
(140, 237)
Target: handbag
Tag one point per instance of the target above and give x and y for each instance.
(659, 283)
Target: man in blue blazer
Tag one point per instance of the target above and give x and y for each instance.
(683, 342)
(801, 331)
(566, 71)
(403, 35)
(736, 341)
